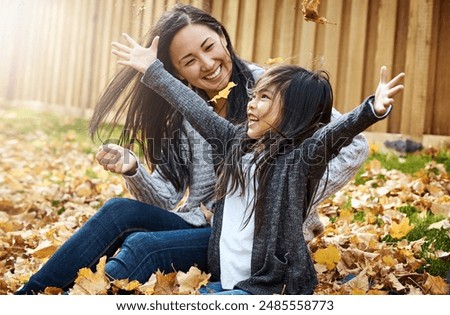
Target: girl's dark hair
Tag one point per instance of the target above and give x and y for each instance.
(306, 99)
(148, 118)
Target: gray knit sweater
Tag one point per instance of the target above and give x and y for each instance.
(280, 262)
(153, 189)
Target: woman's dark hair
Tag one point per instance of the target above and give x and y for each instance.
(148, 118)
(306, 99)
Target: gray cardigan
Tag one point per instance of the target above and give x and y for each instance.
(280, 262)
(153, 189)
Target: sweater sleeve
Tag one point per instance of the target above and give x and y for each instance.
(201, 116)
(152, 188)
(329, 140)
(344, 166)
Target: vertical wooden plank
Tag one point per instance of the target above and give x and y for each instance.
(217, 9)
(244, 43)
(307, 40)
(384, 51)
(158, 9)
(265, 20)
(401, 39)
(73, 44)
(417, 62)
(283, 45)
(231, 11)
(354, 76)
(330, 40)
(59, 50)
(438, 115)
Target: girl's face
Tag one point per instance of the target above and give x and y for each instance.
(263, 112)
(200, 57)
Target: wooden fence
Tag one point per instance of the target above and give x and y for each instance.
(56, 53)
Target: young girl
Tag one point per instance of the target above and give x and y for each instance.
(269, 168)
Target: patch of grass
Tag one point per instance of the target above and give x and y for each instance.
(434, 240)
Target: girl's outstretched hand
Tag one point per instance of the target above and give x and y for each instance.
(134, 55)
(386, 91)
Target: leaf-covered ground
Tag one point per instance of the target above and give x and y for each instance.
(387, 231)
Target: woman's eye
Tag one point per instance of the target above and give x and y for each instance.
(265, 97)
(190, 62)
(208, 48)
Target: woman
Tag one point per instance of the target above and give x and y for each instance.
(197, 50)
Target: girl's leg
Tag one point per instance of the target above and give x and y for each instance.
(143, 253)
(101, 235)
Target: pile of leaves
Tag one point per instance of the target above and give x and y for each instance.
(387, 231)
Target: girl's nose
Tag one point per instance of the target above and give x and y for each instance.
(251, 104)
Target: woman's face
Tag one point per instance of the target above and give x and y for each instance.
(200, 57)
(263, 112)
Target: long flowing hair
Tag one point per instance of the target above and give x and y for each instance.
(148, 118)
(306, 103)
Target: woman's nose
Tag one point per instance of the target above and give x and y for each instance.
(251, 104)
(206, 63)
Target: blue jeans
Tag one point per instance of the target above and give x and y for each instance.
(149, 239)
(215, 288)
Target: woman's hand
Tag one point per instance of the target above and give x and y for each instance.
(386, 91)
(116, 159)
(134, 55)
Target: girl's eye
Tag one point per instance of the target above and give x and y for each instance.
(208, 48)
(265, 97)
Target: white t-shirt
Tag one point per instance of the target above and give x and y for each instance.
(236, 240)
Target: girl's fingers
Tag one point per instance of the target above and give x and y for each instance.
(395, 90)
(396, 80)
(383, 74)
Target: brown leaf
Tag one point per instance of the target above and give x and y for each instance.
(165, 283)
(310, 9)
(435, 285)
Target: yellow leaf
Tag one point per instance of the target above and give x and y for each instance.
(389, 261)
(346, 215)
(207, 213)
(224, 93)
(126, 285)
(400, 230)
(272, 61)
(328, 256)
(90, 283)
(192, 281)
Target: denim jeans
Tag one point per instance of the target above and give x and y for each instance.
(215, 288)
(149, 239)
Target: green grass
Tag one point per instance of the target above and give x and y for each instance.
(434, 240)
